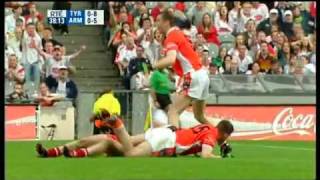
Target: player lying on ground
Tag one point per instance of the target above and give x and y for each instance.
(164, 141)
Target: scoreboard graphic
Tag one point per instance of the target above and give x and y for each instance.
(76, 17)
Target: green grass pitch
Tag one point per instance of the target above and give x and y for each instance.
(253, 160)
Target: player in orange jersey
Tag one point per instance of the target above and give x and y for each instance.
(164, 141)
(194, 81)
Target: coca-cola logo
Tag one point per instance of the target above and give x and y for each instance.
(286, 122)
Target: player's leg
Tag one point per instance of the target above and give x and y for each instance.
(198, 107)
(180, 103)
(57, 151)
(143, 149)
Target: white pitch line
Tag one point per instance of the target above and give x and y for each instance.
(277, 147)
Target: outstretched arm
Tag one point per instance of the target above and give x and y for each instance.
(82, 48)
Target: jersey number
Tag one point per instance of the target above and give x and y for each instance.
(199, 129)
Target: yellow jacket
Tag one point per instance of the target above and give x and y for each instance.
(107, 102)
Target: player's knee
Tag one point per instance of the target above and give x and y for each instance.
(129, 154)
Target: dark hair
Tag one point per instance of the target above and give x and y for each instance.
(166, 15)
(228, 55)
(264, 42)
(225, 126)
(105, 91)
(18, 84)
(210, 24)
(31, 24)
(142, 19)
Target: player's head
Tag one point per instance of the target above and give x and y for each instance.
(225, 128)
(167, 20)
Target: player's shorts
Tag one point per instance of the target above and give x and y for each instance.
(162, 141)
(160, 117)
(163, 100)
(195, 84)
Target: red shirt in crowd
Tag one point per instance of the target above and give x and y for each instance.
(211, 36)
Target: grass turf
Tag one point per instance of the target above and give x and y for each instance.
(253, 160)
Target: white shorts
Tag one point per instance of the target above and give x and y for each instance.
(160, 139)
(159, 117)
(195, 84)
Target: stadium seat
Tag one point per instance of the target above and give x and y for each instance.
(213, 49)
(227, 45)
(228, 38)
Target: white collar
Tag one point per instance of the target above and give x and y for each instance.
(171, 29)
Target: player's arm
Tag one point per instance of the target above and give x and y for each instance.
(168, 60)
(207, 152)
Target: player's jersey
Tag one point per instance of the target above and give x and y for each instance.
(187, 59)
(190, 141)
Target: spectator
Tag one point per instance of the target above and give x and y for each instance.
(138, 21)
(254, 69)
(226, 64)
(276, 69)
(125, 29)
(244, 59)
(208, 30)
(267, 24)
(284, 54)
(221, 21)
(30, 57)
(126, 54)
(260, 11)
(47, 35)
(234, 68)
(196, 12)
(18, 93)
(247, 12)
(309, 68)
(61, 5)
(153, 52)
(282, 6)
(10, 20)
(236, 22)
(45, 98)
(34, 16)
(53, 62)
(304, 18)
(14, 72)
(218, 61)
(290, 67)
(156, 11)
(287, 25)
(136, 64)
(239, 41)
(40, 28)
(205, 58)
(121, 47)
(213, 69)
(139, 8)
(250, 33)
(264, 58)
(306, 45)
(261, 37)
(63, 86)
(200, 41)
(180, 6)
(48, 47)
(14, 42)
(144, 34)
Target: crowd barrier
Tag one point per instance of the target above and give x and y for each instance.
(261, 107)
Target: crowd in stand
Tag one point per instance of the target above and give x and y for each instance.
(276, 37)
(35, 63)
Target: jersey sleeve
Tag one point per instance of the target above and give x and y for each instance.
(172, 42)
(208, 139)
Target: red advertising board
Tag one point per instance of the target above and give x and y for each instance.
(20, 122)
(268, 122)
